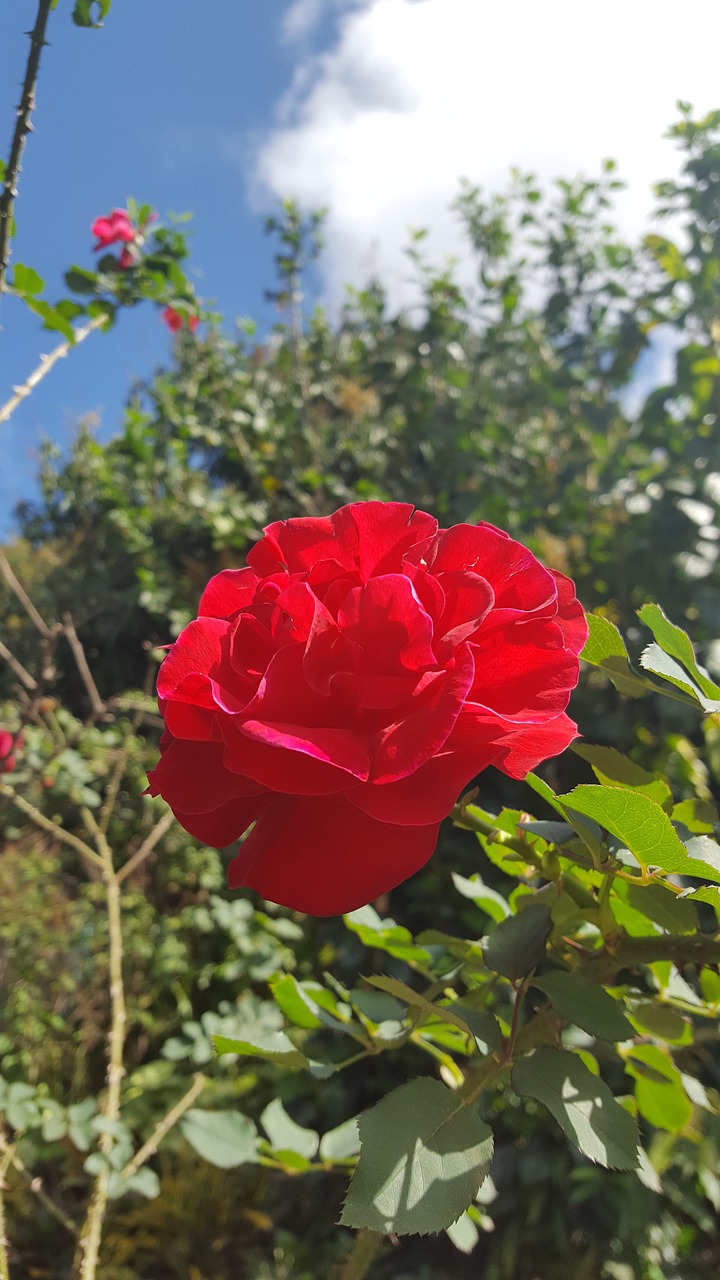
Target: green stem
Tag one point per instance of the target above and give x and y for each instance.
(628, 953)
(365, 1249)
(164, 1126)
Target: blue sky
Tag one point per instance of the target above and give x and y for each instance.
(375, 107)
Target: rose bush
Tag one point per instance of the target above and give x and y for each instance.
(343, 689)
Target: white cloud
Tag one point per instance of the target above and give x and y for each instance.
(416, 93)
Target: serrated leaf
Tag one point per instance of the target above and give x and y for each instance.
(274, 1046)
(423, 1157)
(385, 935)
(582, 1104)
(80, 281)
(585, 1004)
(285, 1134)
(483, 1025)
(589, 832)
(654, 659)
(605, 648)
(297, 1003)
(26, 279)
(225, 1139)
(643, 827)
(341, 1143)
(616, 770)
(677, 643)
(517, 945)
(377, 1006)
(489, 900)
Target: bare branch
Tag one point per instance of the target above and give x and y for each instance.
(23, 676)
(164, 1126)
(16, 586)
(96, 702)
(46, 364)
(146, 847)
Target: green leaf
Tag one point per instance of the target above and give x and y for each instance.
(654, 659)
(409, 997)
(585, 1004)
(341, 1143)
(663, 907)
(582, 1104)
(659, 1091)
(661, 1021)
(26, 279)
(225, 1139)
(145, 1182)
(385, 935)
(489, 901)
(517, 945)
(605, 648)
(677, 643)
(90, 13)
(377, 1006)
(423, 1157)
(80, 281)
(644, 828)
(274, 1046)
(483, 1025)
(589, 832)
(299, 1007)
(616, 770)
(285, 1134)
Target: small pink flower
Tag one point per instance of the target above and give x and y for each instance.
(114, 229)
(175, 320)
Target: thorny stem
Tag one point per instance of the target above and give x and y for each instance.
(22, 128)
(164, 1126)
(88, 1251)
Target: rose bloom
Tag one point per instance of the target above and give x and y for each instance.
(176, 320)
(342, 690)
(116, 228)
(7, 761)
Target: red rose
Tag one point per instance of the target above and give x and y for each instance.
(7, 761)
(344, 688)
(117, 227)
(175, 320)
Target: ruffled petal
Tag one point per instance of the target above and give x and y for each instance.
(191, 777)
(406, 745)
(326, 857)
(227, 592)
(427, 795)
(222, 826)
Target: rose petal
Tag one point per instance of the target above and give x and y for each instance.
(427, 795)
(191, 777)
(222, 826)
(227, 592)
(407, 744)
(325, 857)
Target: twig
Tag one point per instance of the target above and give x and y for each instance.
(46, 364)
(22, 128)
(88, 1250)
(164, 1126)
(4, 1263)
(96, 702)
(365, 1249)
(51, 827)
(111, 794)
(23, 676)
(35, 1185)
(146, 847)
(16, 586)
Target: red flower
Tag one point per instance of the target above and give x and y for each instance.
(344, 688)
(116, 228)
(7, 761)
(176, 319)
